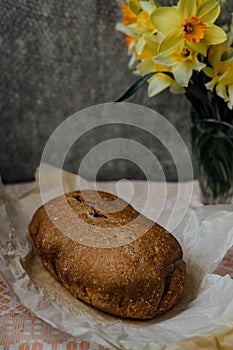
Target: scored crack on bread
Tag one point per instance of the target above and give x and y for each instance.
(139, 279)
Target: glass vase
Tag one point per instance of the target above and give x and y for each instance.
(212, 146)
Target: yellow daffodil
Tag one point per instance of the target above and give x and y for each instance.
(221, 74)
(140, 39)
(160, 81)
(189, 24)
(182, 63)
(138, 12)
(173, 42)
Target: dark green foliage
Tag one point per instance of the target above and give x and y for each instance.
(134, 88)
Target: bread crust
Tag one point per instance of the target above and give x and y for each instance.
(139, 279)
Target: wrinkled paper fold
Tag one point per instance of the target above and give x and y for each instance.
(203, 314)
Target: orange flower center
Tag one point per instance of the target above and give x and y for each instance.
(193, 29)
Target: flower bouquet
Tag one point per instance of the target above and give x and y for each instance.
(180, 48)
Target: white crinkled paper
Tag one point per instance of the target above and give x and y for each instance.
(203, 314)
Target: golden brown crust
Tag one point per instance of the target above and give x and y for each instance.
(139, 279)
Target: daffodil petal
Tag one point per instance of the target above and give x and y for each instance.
(134, 6)
(126, 30)
(131, 48)
(214, 35)
(148, 6)
(165, 18)
(140, 45)
(158, 83)
(201, 47)
(132, 60)
(209, 72)
(230, 105)
(222, 91)
(230, 91)
(176, 89)
(144, 22)
(226, 77)
(187, 8)
(163, 61)
(208, 11)
(145, 67)
(182, 73)
(215, 54)
(198, 66)
(211, 84)
(172, 42)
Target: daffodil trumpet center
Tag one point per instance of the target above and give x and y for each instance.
(185, 54)
(193, 29)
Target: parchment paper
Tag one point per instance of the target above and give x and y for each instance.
(203, 317)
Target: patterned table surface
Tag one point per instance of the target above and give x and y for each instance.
(20, 330)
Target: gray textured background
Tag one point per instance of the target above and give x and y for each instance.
(58, 57)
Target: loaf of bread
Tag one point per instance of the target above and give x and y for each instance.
(108, 255)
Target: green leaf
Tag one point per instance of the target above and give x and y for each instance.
(216, 122)
(137, 85)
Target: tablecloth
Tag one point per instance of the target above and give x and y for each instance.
(21, 330)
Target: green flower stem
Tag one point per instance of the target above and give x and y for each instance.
(216, 122)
